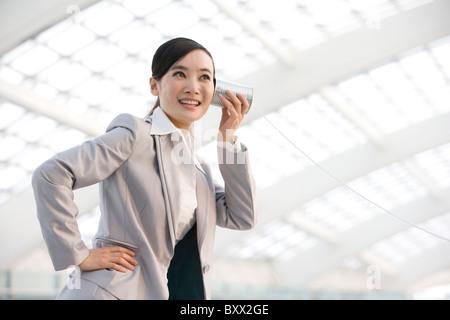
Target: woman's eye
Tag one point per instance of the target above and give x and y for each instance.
(205, 77)
(178, 74)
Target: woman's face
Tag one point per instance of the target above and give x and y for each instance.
(186, 90)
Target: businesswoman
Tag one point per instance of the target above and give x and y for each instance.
(159, 204)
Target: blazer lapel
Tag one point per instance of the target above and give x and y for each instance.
(202, 191)
(172, 192)
(166, 175)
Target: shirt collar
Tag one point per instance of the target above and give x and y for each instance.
(161, 124)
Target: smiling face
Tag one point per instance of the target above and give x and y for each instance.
(186, 90)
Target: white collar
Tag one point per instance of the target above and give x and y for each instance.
(161, 124)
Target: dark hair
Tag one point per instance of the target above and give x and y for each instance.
(169, 53)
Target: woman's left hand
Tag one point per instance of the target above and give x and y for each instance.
(232, 115)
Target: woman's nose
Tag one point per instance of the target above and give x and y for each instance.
(192, 86)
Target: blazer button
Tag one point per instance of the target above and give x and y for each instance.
(206, 269)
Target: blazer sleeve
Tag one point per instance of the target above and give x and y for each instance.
(53, 183)
(236, 200)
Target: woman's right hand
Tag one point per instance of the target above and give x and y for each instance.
(116, 258)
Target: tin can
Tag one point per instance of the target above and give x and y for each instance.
(222, 86)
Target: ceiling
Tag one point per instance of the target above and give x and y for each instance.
(348, 133)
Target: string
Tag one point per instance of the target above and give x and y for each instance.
(346, 185)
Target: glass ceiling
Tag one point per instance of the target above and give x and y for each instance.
(413, 88)
(98, 65)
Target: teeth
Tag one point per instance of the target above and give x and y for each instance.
(192, 102)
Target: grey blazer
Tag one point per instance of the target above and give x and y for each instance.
(139, 194)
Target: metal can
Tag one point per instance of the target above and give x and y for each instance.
(222, 86)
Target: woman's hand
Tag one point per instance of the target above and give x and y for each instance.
(232, 115)
(117, 258)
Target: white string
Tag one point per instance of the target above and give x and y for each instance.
(344, 184)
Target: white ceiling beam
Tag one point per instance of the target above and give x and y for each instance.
(374, 135)
(21, 20)
(291, 192)
(420, 267)
(307, 265)
(341, 58)
(430, 185)
(370, 258)
(313, 228)
(257, 31)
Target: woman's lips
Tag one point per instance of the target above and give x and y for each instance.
(190, 102)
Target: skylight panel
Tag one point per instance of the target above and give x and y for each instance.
(409, 4)
(336, 16)
(10, 113)
(441, 51)
(107, 20)
(367, 5)
(71, 39)
(130, 73)
(268, 11)
(173, 19)
(18, 51)
(142, 8)
(435, 164)
(298, 28)
(311, 124)
(10, 146)
(398, 248)
(35, 60)
(337, 210)
(204, 8)
(65, 75)
(228, 27)
(12, 176)
(389, 186)
(424, 72)
(125, 100)
(96, 90)
(340, 209)
(373, 11)
(10, 75)
(411, 105)
(276, 240)
(136, 37)
(100, 56)
(63, 138)
(32, 129)
(33, 157)
(373, 106)
(207, 34)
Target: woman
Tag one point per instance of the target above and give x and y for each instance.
(158, 211)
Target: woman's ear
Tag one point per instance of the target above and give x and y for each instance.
(154, 87)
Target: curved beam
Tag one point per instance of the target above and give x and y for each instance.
(323, 257)
(291, 192)
(21, 20)
(340, 58)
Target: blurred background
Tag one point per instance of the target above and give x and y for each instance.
(362, 87)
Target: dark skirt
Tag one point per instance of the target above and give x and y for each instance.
(184, 276)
